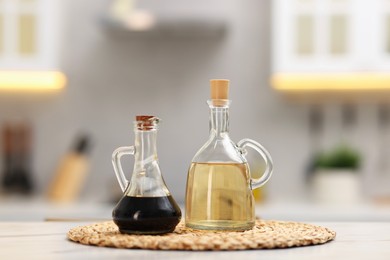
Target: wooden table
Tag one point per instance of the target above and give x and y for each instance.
(47, 240)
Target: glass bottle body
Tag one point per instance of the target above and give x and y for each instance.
(219, 187)
(219, 197)
(147, 206)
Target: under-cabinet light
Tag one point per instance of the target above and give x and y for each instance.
(297, 82)
(31, 80)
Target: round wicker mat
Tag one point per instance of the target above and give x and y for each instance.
(265, 234)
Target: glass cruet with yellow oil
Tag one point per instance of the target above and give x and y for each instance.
(219, 185)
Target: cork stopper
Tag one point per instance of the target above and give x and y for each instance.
(145, 122)
(219, 88)
(143, 118)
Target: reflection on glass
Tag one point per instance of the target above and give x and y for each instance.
(305, 34)
(27, 33)
(338, 34)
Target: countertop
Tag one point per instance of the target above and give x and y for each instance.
(47, 240)
(39, 210)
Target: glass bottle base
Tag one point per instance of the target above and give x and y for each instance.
(143, 232)
(147, 226)
(221, 225)
(146, 215)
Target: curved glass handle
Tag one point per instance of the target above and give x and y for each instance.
(116, 163)
(256, 183)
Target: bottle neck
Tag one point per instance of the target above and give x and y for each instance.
(145, 147)
(219, 120)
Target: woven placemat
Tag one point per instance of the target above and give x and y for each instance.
(265, 234)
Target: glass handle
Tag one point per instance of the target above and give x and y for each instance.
(116, 163)
(256, 183)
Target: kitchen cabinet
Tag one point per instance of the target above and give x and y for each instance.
(29, 41)
(331, 45)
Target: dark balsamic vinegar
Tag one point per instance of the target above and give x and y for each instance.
(146, 215)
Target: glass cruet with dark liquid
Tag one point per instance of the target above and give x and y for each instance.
(219, 185)
(147, 206)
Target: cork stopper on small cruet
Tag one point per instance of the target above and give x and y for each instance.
(146, 122)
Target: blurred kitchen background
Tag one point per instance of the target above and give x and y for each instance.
(310, 81)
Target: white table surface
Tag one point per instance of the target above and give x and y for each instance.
(47, 240)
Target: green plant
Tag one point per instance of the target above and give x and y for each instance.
(342, 157)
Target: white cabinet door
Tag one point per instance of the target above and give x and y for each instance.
(331, 45)
(327, 36)
(29, 34)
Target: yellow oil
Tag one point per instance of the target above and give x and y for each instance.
(219, 197)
